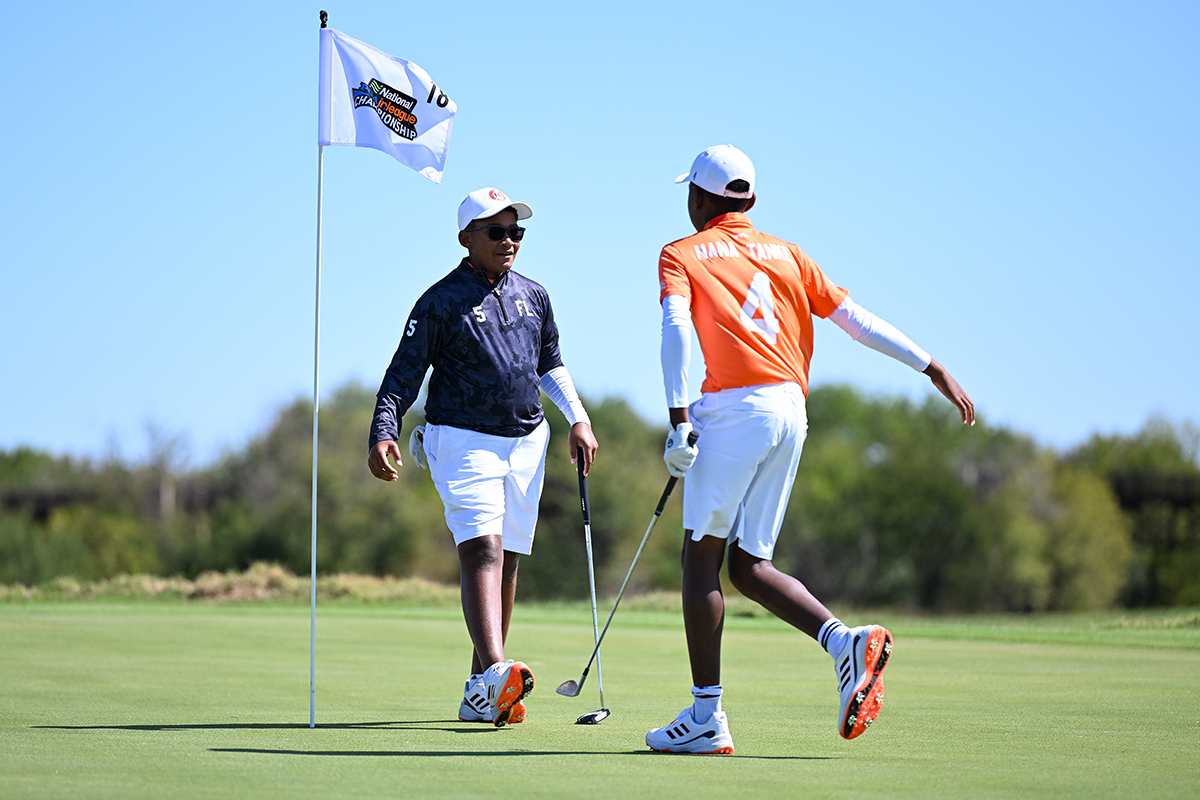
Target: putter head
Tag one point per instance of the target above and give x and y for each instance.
(568, 689)
(593, 717)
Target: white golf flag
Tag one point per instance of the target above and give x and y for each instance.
(368, 98)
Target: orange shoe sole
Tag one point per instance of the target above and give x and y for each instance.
(868, 698)
(518, 685)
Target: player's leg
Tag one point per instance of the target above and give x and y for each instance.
(508, 591)
(526, 461)
(508, 597)
(760, 517)
(778, 592)
(508, 594)
(703, 606)
(702, 727)
(468, 469)
(713, 492)
(859, 654)
(731, 444)
(758, 524)
(475, 706)
(481, 562)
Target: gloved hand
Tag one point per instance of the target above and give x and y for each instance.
(678, 454)
(416, 447)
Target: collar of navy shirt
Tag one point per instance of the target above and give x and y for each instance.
(491, 284)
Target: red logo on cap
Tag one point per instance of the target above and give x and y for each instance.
(496, 194)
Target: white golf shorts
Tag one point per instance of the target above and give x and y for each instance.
(490, 485)
(750, 443)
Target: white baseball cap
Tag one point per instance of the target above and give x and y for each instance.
(487, 202)
(716, 167)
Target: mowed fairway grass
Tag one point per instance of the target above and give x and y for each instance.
(173, 700)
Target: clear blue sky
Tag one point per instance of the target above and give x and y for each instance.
(1015, 186)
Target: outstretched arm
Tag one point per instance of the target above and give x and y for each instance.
(878, 334)
(946, 384)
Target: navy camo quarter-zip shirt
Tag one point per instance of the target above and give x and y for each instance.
(489, 345)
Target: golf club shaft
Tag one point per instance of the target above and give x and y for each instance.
(599, 638)
(587, 535)
(662, 503)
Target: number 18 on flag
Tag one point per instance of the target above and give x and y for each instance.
(367, 98)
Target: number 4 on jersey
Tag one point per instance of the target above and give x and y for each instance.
(758, 312)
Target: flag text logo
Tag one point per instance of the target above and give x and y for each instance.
(394, 107)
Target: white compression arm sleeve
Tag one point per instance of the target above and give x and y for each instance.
(866, 328)
(559, 387)
(676, 349)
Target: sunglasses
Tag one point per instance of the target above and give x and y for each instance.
(497, 232)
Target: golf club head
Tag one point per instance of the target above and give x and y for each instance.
(593, 717)
(568, 689)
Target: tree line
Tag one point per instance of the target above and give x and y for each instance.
(895, 504)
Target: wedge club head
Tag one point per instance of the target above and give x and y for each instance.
(593, 717)
(568, 689)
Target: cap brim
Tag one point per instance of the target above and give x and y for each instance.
(685, 176)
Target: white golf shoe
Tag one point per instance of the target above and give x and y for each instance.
(475, 706)
(685, 735)
(859, 670)
(507, 683)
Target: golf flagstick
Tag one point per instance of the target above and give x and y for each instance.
(592, 717)
(572, 688)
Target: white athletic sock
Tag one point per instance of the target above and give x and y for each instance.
(706, 701)
(832, 636)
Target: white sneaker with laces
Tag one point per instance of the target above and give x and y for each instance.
(859, 671)
(685, 735)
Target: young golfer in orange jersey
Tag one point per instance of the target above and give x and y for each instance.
(752, 298)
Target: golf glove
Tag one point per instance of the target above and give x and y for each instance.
(678, 454)
(416, 447)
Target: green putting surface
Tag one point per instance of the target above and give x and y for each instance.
(159, 699)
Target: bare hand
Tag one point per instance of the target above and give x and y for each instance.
(953, 392)
(378, 462)
(581, 436)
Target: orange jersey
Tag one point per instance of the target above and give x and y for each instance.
(752, 299)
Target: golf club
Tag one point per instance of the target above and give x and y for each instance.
(592, 717)
(572, 688)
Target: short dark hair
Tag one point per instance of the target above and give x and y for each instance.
(728, 205)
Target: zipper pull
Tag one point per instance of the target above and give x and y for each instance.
(499, 302)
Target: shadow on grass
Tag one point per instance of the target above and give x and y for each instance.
(447, 725)
(476, 753)
(458, 726)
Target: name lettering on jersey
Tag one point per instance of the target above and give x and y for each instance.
(764, 251)
(718, 249)
(523, 309)
(760, 251)
(479, 315)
